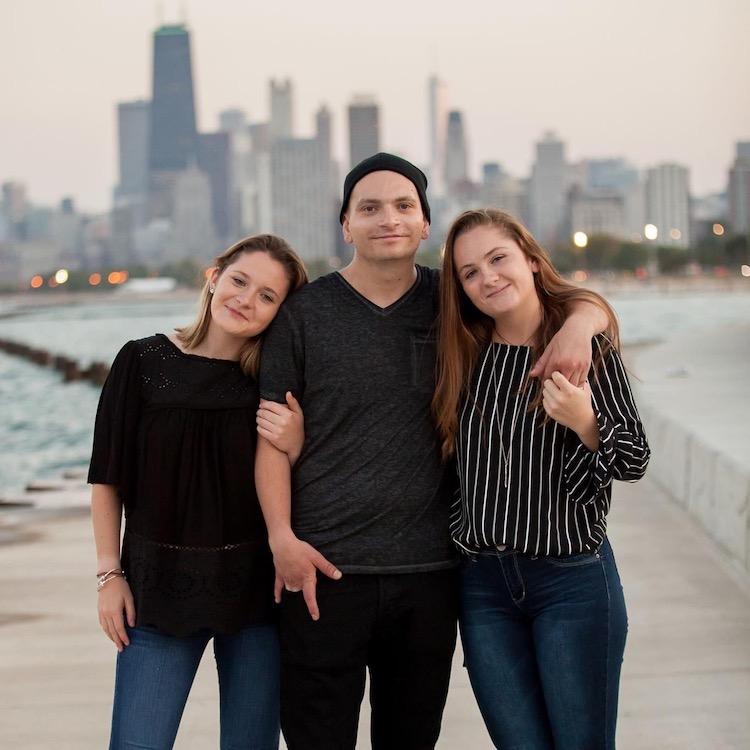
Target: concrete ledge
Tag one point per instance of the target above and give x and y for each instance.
(713, 487)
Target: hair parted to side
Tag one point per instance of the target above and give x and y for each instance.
(464, 331)
(278, 249)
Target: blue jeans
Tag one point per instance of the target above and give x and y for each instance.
(155, 673)
(543, 639)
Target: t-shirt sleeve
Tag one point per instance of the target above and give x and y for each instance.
(282, 359)
(117, 418)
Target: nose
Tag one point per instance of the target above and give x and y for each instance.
(245, 297)
(389, 216)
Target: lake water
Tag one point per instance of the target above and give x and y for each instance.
(46, 424)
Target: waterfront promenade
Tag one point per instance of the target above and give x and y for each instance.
(686, 677)
(686, 681)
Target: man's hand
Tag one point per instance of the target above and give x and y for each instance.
(283, 426)
(568, 352)
(297, 564)
(571, 407)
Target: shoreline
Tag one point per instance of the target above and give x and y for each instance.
(607, 284)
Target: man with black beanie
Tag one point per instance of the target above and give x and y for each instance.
(368, 502)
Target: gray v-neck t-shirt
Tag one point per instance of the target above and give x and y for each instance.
(369, 490)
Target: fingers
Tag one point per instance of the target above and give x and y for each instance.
(308, 592)
(110, 630)
(562, 382)
(325, 567)
(278, 586)
(118, 623)
(273, 417)
(130, 610)
(293, 403)
(538, 369)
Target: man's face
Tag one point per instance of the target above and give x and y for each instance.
(384, 219)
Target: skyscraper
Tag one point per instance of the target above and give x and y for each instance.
(668, 203)
(282, 112)
(133, 148)
(456, 152)
(437, 118)
(232, 120)
(300, 209)
(364, 129)
(739, 189)
(193, 235)
(547, 188)
(214, 158)
(173, 137)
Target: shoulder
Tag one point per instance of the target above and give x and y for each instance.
(310, 294)
(431, 276)
(150, 348)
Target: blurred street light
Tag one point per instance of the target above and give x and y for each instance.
(61, 276)
(745, 271)
(650, 232)
(718, 229)
(580, 239)
(36, 282)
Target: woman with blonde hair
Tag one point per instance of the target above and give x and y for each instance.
(174, 446)
(543, 621)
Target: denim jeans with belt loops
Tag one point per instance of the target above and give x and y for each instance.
(155, 673)
(543, 639)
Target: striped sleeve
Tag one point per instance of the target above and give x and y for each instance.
(623, 452)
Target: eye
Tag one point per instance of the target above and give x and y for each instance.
(404, 206)
(496, 258)
(468, 275)
(368, 209)
(267, 298)
(238, 281)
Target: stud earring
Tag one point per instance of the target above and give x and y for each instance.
(211, 289)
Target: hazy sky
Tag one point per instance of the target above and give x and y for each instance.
(651, 80)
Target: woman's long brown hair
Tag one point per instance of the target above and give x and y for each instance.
(191, 335)
(464, 331)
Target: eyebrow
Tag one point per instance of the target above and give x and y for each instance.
(265, 288)
(375, 201)
(489, 252)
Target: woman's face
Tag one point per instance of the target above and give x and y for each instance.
(248, 293)
(496, 275)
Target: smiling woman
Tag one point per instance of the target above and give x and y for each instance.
(535, 465)
(174, 442)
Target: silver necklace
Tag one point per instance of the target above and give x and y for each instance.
(505, 454)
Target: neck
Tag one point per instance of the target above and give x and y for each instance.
(519, 326)
(382, 282)
(218, 344)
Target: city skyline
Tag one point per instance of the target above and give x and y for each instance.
(70, 149)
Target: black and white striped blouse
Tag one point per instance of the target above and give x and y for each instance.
(531, 484)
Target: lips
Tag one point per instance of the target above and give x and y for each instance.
(234, 313)
(495, 292)
(389, 236)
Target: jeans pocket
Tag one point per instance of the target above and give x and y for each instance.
(573, 561)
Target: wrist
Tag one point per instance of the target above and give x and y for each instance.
(588, 431)
(581, 324)
(103, 564)
(280, 535)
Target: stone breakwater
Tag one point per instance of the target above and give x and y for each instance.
(70, 369)
(694, 403)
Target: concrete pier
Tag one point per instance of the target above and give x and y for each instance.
(686, 679)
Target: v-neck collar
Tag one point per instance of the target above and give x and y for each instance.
(376, 308)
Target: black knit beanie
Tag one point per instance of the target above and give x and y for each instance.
(383, 162)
